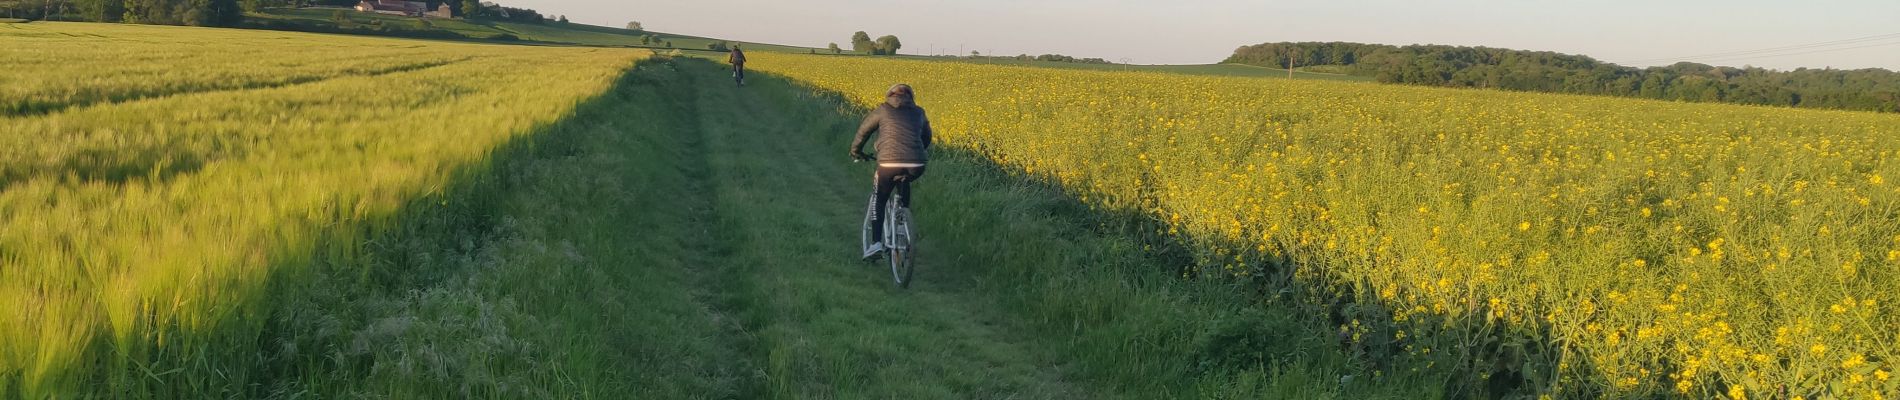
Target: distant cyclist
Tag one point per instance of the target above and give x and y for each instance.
(737, 58)
(903, 136)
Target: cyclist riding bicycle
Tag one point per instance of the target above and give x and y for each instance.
(737, 58)
(903, 137)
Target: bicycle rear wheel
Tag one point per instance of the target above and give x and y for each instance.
(902, 246)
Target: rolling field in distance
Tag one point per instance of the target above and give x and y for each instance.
(158, 178)
(1569, 245)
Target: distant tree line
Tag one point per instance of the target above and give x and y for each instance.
(168, 12)
(221, 12)
(1061, 58)
(497, 12)
(340, 21)
(1871, 89)
(1044, 58)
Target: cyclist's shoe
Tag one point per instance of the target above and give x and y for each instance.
(871, 252)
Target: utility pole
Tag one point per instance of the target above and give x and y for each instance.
(1291, 58)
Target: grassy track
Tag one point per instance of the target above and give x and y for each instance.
(826, 324)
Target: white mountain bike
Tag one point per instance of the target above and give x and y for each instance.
(900, 236)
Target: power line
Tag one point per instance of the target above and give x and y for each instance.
(1771, 50)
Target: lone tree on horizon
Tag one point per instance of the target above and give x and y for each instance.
(635, 26)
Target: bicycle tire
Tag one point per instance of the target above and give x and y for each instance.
(902, 246)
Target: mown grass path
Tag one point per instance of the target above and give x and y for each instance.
(827, 324)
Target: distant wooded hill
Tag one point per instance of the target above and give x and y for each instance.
(1871, 89)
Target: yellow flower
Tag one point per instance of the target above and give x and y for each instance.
(1524, 226)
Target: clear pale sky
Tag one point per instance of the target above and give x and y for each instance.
(1629, 32)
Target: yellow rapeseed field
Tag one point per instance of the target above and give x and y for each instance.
(153, 180)
(1578, 246)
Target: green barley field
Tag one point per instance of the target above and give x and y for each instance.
(158, 179)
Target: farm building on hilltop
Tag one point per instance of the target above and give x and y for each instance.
(404, 8)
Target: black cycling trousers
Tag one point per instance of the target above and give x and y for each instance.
(892, 179)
